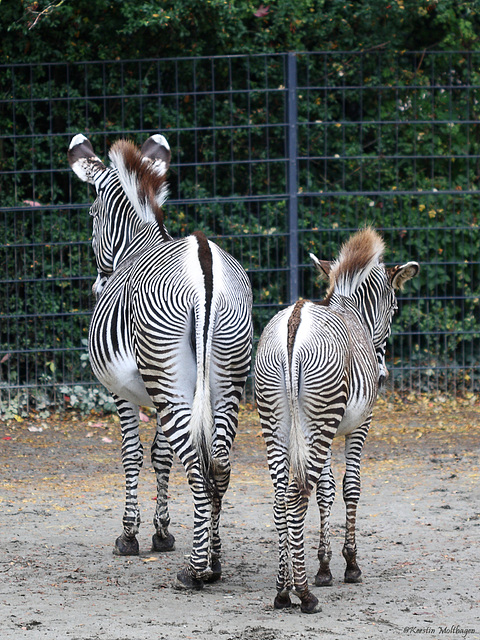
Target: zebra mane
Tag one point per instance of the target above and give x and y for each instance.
(357, 257)
(142, 180)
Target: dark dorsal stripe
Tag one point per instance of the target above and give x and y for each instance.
(292, 328)
(206, 263)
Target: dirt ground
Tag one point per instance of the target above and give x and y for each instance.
(418, 537)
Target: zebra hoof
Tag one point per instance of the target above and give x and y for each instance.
(282, 600)
(309, 604)
(216, 574)
(126, 546)
(160, 544)
(353, 576)
(323, 578)
(186, 582)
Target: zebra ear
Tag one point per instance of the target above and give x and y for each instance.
(400, 274)
(323, 267)
(157, 150)
(83, 160)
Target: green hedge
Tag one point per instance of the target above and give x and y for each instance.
(385, 136)
(122, 29)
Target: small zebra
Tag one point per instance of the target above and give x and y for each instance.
(318, 369)
(171, 329)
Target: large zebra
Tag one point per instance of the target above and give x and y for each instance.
(171, 329)
(317, 372)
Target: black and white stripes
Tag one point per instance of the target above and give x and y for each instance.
(317, 373)
(171, 329)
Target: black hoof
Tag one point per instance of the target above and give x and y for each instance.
(126, 546)
(282, 600)
(323, 578)
(186, 582)
(216, 574)
(160, 544)
(310, 604)
(353, 576)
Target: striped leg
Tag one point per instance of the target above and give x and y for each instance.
(297, 503)
(273, 411)
(176, 429)
(325, 498)
(351, 495)
(225, 430)
(232, 365)
(132, 459)
(278, 464)
(221, 472)
(296, 507)
(162, 458)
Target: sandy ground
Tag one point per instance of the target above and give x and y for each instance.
(418, 538)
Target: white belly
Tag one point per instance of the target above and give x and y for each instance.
(123, 379)
(355, 415)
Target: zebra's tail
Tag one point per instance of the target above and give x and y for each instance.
(202, 421)
(298, 448)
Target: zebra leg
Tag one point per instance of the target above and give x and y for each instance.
(351, 495)
(284, 576)
(325, 498)
(296, 507)
(224, 435)
(175, 425)
(132, 459)
(162, 458)
(198, 569)
(226, 394)
(221, 471)
(275, 433)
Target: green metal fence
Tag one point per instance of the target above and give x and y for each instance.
(273, 156)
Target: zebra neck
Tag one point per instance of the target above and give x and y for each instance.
(147, 236)
(350, 305)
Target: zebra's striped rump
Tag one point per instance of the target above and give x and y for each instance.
(317, 374)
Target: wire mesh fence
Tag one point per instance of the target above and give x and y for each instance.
(273, 156)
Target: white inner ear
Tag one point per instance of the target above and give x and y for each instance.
(83, 169)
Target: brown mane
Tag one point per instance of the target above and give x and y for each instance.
(357, 257)
(149, 182)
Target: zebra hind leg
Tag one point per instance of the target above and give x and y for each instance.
(162, 458)
(325, 497)
(198, 570)
(351, 495)
(284, 576)
(132, 459)
(297, 504)
(221, 474)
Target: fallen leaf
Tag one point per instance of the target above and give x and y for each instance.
(262, 11)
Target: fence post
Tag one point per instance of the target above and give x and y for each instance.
(292, 177)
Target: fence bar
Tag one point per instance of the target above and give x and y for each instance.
(292, 182)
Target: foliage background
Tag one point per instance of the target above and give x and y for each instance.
(387, 96)
(158, 28)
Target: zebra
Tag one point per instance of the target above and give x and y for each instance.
(171, 329)
(318, 369)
